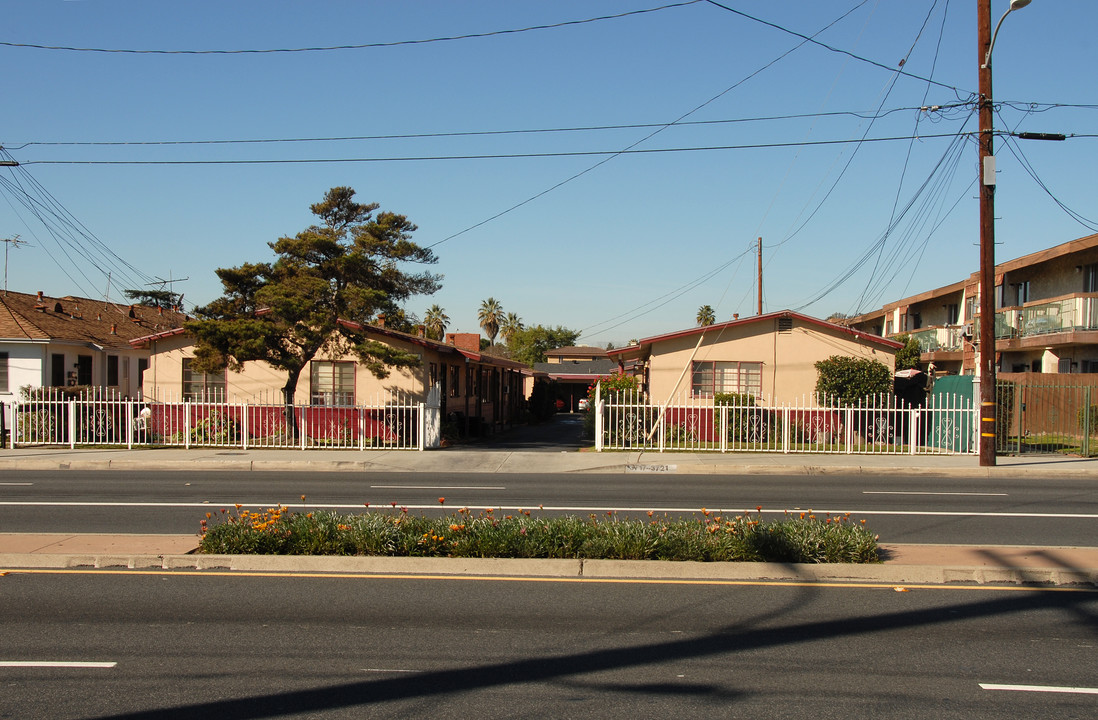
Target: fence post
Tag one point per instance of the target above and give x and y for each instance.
(722, 427)
(599, 422)
(244, 425)
(72, 424)
(422, 426)
(186, 426)
(1085, 445)
(912, 429)
(129, 426)
(785, 429)
(10, 411)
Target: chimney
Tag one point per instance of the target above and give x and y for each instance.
(99, 316)
(421, 331)
(160, 310)
(40, 303)
(114, 329)
(735, 316)
(469, 342)
(133, 315)
(381, 320)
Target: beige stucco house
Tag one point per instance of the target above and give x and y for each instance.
(770, 356)
(480, 392)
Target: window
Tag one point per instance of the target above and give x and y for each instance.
(455, 378)
(709, 378)
(202, 387)
(1090, 278)
(952, 311)
(142, 366)
(57, 369)
(332, 383)
(112, 371)
(3, 372)
(83, 369)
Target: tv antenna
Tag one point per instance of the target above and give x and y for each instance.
(12, 242)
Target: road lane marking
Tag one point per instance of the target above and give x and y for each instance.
(535, 579)
(914, 492)
(207, 504)
(388, 670)
(8, 484)
(55, 664)
(1042, 688)
(436, 487)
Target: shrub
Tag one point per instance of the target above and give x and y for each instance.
(704, 538)
(850, 380)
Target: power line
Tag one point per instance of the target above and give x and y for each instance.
(480, 133)
(832, 48)
(363, 46)
(492, 156)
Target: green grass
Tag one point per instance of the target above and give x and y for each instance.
(706, 537)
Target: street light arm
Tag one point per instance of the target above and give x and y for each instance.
(1014, 5)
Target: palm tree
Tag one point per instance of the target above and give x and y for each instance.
(491, 317)
(706, 316)
(436, 321)
(510, 325)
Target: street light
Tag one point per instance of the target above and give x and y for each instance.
(986, 42)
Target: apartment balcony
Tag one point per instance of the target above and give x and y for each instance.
(939, 339)
(1070, 320)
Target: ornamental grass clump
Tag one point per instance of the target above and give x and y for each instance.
(708, 537)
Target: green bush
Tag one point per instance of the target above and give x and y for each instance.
(850, 380)
(704, 538)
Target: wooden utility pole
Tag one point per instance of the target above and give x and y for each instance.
(987, 237)
(759, 262)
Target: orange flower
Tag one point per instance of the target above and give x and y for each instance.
(441, 500)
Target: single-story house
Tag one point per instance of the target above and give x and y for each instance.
(76, 342)
(770, 356)
(480, 392)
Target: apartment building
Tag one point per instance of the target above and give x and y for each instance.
(1046, 317)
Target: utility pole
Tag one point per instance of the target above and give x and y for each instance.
(12, 242)
(759, 262)
(987, 238)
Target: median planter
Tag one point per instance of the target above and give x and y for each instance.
(704, 537)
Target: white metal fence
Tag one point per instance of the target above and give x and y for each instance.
(879, 425)
(50, 416)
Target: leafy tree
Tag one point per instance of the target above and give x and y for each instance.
(850, 380)
(908, 356)
(286, 312)
(510, 325)
(436, 321)
(490, 317)
(706, 316)
(156, 298)
(530, 344)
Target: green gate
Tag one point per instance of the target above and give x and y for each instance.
(951, 429)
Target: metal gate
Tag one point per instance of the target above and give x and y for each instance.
(1035, 416)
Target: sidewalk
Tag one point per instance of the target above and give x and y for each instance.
(469, 459)
(903, 564)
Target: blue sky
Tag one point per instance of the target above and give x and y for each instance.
(617, 246)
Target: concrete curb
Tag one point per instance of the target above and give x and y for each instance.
(670, 468)
(592, 570)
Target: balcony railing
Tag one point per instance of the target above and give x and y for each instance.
(1056, 316)
(939, 339)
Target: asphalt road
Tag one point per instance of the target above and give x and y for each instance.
(244, 646)
(1052, 511)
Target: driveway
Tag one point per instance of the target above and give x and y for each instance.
(561, 433)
